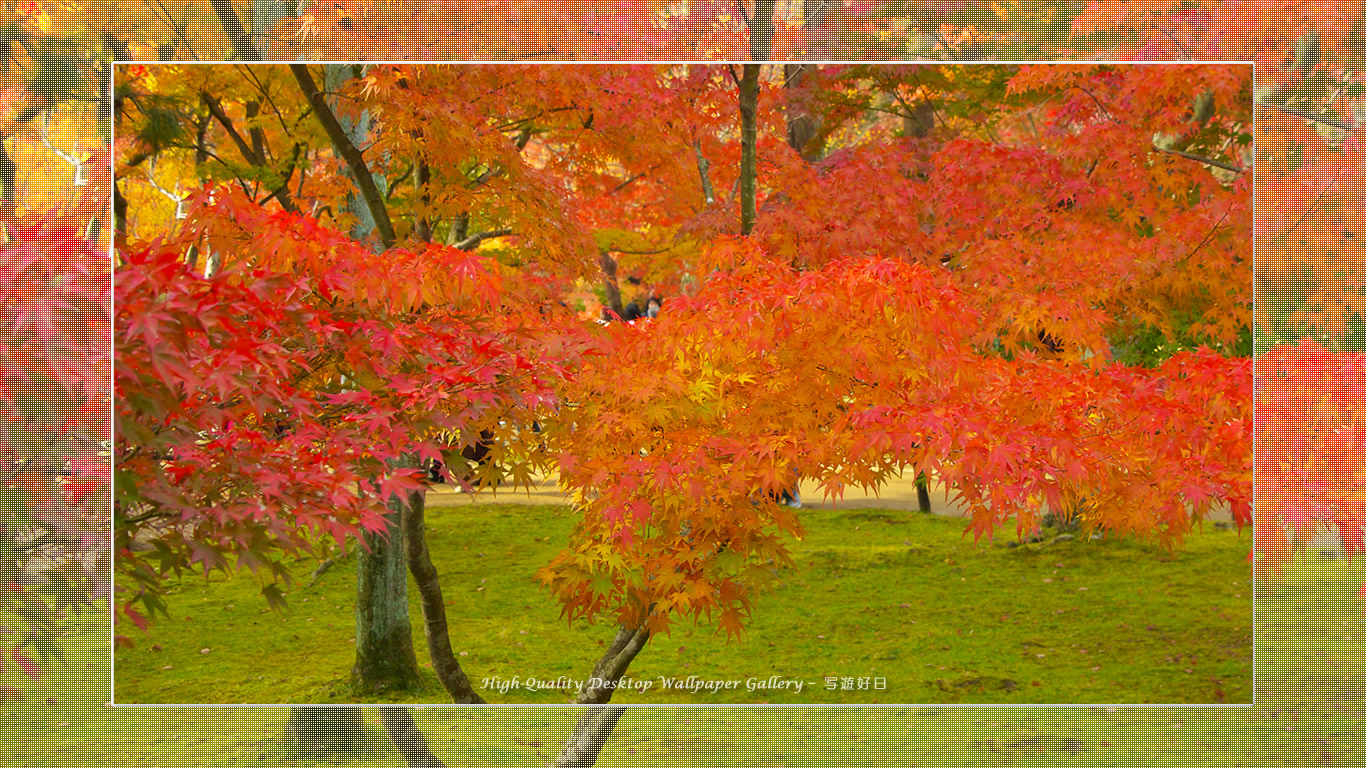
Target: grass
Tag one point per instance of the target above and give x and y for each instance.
(891, 595)
(1311, 708)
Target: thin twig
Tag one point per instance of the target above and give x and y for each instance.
(1200, 159)
(1314, 204)
(1187, 55)
(1307, 115)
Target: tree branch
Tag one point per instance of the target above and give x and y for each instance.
(656, 251)
(478, 237)
(254, 153)
(593, 729)
(373, 200)
(1307, 115)
(609, 669)
(704, 170)
(241, 41)
(216, 109)
(1185, 52)
(393, 183)
(1200, 159)
(630, 179)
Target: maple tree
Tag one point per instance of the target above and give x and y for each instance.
(943, 370)
(1309, 322)
(1309, 183)
(1306, 272)
(54, 449)
(55, 295)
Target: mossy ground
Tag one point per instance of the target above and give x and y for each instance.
(1311, 694)
(896, 598)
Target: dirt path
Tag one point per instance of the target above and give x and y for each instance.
(898, 494)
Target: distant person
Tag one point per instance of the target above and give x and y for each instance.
(477, 454)
(792, 496)
(652, 307)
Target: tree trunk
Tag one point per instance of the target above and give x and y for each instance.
(422, 177)
(802, 125)
(407, 739)
(760, 47)
(265, 14)
(381, 583)
(444, 662)
(326, 730)
(8, 178)
(609, 670)
(610, 285)
(922, 492)
(749, 140)
(385, 658)
(761, 30)
(595, 726)
(590, 735)
(919, 123)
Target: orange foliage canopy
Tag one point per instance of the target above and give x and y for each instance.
(971, 301)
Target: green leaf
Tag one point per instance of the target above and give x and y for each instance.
(275, 597)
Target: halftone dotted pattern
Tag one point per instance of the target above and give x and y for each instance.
(1311, 669)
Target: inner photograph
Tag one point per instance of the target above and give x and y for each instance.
(682, 384)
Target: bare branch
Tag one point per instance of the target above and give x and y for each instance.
(393, 183)
(1314, 204)
(640, 175)
(665, 249)
(1185, 52)
(174, 197)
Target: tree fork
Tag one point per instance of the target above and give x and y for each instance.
(612, 665)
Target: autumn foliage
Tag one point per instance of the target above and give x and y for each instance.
(968, 301)
(54, 404)
(256, 408)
